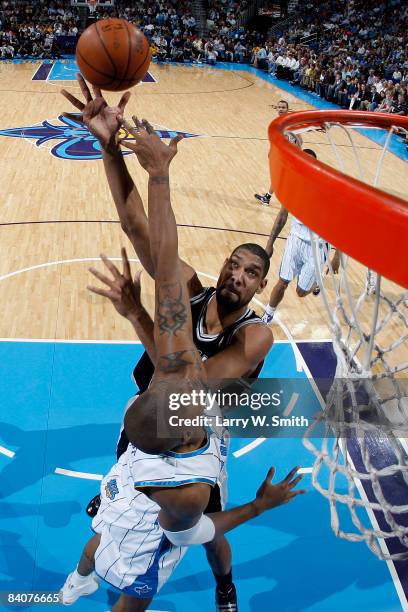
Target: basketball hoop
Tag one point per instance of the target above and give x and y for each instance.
(366, 408)
(322, 197)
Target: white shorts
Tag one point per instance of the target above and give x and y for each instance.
(298, 261)
(133, 555)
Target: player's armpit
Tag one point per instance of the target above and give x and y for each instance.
(194, 285)
(250, 346)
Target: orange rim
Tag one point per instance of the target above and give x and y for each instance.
(362, 221)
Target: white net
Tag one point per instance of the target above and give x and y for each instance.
(361, 458)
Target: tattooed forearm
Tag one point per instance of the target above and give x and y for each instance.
(172, 362)
(171, 310)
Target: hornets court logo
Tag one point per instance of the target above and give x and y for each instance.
(70, 139)
(111, 489)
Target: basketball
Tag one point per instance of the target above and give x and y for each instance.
(113, 54)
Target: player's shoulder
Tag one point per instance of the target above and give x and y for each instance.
(255, 334)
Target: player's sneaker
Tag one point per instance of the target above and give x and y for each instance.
(71, 592)
(316, 289)
(267, 318)
(93, 506)
(264, 199)
(226, 602)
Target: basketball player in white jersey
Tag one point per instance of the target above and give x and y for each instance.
(282, 107)
(153, 499)
(297, 260)
(230, 336)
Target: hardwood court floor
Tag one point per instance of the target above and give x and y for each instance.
(57, 210)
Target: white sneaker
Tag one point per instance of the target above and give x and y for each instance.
(267, 318)
(70, 592)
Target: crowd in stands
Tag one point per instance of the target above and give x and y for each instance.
(174, 34)
(31, 28)
(356, 58)
(354, 53)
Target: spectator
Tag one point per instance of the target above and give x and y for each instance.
(400, 107)
(211, 55)
(240, 52)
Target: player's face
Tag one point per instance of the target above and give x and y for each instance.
(240, 278)
(282, 108)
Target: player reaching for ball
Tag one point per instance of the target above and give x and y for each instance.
(229, 335)
(143, 526)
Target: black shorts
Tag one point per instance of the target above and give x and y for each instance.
(214, 503)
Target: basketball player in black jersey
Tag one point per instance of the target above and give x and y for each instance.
(231, 337)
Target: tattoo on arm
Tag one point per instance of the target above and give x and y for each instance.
(171, 310)
(172, 362)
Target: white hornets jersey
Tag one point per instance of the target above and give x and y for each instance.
(134, 555)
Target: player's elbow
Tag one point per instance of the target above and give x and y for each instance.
(201, 532)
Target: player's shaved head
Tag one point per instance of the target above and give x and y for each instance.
(147, 420)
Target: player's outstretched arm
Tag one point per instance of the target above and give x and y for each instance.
(172, 322)
(278, 226)
(267, 497)
(181, 509)
(124, 293)
(104, 122)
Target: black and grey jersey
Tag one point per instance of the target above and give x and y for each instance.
(207, 344)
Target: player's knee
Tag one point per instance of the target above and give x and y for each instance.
(301, 292)
(217, 544)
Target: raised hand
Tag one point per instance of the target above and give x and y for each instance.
(269, 495)
(102, 121)
(123, 292)
(153, 154)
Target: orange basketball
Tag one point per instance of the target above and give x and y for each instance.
(113, 54)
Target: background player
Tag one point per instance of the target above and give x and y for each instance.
(282, 107)
(297, 260)
(151, 529)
